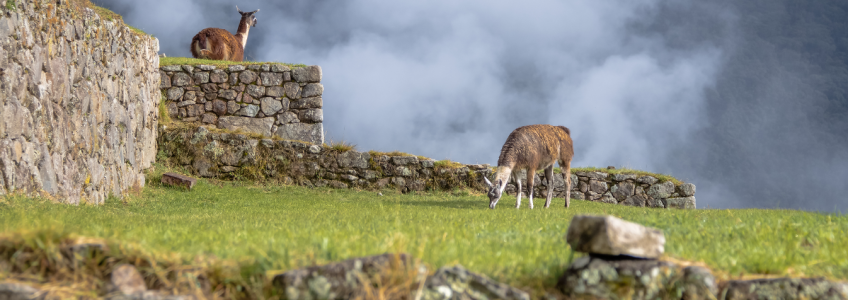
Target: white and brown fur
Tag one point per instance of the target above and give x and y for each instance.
(219, 44)
(532, 148)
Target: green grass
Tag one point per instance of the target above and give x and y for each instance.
(286, 227)
(168, 61)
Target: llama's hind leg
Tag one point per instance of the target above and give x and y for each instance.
(518, 201)
(531, 174)
(549, 176)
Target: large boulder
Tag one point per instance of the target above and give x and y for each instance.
(608, 235)
(255, 125)
(311, 133)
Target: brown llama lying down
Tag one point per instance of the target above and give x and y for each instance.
(533, 147)
(219, 44)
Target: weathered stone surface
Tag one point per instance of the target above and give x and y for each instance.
(256, 125)
(127, 280)
(307, 74)
(271, 106)
(458, 283)
(218, 76)
(292, 90)
(18, 291)
(597, 278)
(171, 178)
(255, 91)
(636, 200)
(623, 190)
(783, 288)
(236, 68)
(287, 118)
(313, 102)
(248, 77)
(404, 160)
(275, 91)
(623, 177)
(342, 280)
(597, 186)
(271, 79)
(219, 107)
(354, 159)
(313, 115)
(227, 94)
(609, 235)
(687, 189)
(181, 79)
(608, 198)
(175, 93)
(647, 179)
(209, 118)
(249, 110)
(312, 90)
(662, 190)
(232, 107)
(684, 202)
(311, 133)
(698, 283)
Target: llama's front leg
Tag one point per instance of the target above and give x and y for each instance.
(549, 176)
(531, 174)
(566, 172)
(518, 202)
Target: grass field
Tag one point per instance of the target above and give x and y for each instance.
(284, 227)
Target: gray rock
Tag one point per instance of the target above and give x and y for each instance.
(247, 77)
(622, 190)
(287, 118)
(209, 118)
(271, 79)
(623, 177)
(662, 190)
(165, 81)
(687, 189)
(249, 110)
(596, 278)
(608, 198)
(171, 68)
(206, 67)
(398, 181)
(127, 280)
(310, 133)
(201, 77)
(313, 115)
(337, 184)
(609, 235)
(647, 179)
(683, 202)
(292, 90)
(458, 283)
(305, 103)
(275, 91)
(255, 91)
(185, 103)
(271, 106)
(342, 280)
(314, 149)
(181, 79)
(219, 107)
(228, 94)
(175, 93)
(635, 200)
(783, 288)
(256, 125)
(236, 68)
(307, 74)
(354, 159)
(218, 76)
(597, 175)
(428, 163)
(18, 291)
(655, 203)
(312, 90)
(598, 187)
(698, 282)
(279, 68)
(404, 160)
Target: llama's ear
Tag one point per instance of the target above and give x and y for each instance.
(239, 10)
(489, 183)
(255, 11)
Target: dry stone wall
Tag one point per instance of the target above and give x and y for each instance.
(210, 152)
(266, 99)
(79, 102)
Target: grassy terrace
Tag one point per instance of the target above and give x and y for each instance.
(267, 229)
(168, 61)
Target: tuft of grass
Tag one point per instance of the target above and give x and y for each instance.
(164, 116)
(169, 61)
(292, 227)
(10, 5)
(447, 164)
(340, 146)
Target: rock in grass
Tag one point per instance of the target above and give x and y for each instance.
(175, 179)
(17, 291)
(342, 280)
(784, 288)
(599, 278)
(127, 280)
(458, 283)
(608, 235)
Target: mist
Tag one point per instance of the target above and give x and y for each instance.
(641, 84)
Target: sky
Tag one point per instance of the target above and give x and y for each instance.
(451, 79)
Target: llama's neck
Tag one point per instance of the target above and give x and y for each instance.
(243, 29)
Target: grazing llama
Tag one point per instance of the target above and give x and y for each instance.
(533, 147)
(219, 44)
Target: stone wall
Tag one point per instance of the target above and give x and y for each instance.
(267, 99)
(210, 152)
(79, 102)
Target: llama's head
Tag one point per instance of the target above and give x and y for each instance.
(248, 17)
(495, 191)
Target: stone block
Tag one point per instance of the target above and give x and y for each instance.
(312, 115)
(597, 186)
(307, 74)
(249, 110)
(181, 79)
(622, 190)
(661, 190)
(255, 91)
(404, 160)
(292, 90)
(236, 68)
(623, 177)
(247, 77)
(287, 118)
(305, 103)
(271, 79)
(783, 288)
(255, 125)
(635, 200)
(647, 179)
(275, 91)
(687, 189)
(228, 94)
(608, 235)
(218, 76)
(209, 118)
(271, 106)
(175, 93)
(353, 159)
(175, 179)
(312, 90)
(458, 283)
(597, 278)
(219, 107)
(310, 133)
(682, 202)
